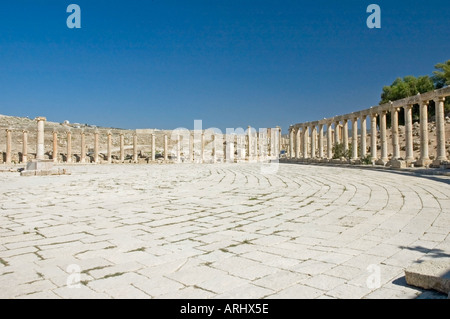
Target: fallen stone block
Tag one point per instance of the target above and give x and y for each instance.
(432, 274)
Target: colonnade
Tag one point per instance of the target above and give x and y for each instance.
(303, 136)
(249, 146)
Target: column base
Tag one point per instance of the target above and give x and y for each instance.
(440, 164)
(382, 162)
(422, 162)
(395, 163)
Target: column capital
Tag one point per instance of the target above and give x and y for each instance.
(425, 102)
(395, 109)
(373, 114)
(40, 118)
(8, 130)
(440, 99)
(24, 131)
(408, 106)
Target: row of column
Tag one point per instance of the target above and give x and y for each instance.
(299, 136)
(253, 146)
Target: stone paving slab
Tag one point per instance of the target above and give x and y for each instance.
(219, 231)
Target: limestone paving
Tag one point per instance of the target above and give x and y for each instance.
(219, 231)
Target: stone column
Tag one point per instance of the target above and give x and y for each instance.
(230, 148)
(321, 141)
(96, 149)
(298, 137)
(8, 146)
(409, 134)
(291, 142)
(69, 147)
(305, 133)
(24, 146)
(329, 141)
(270, 149)
(55, 147)
(313, 142)
(213, 148)
(109, 148)
(166, 154)
(202, 149)
(363, 136)
(191, 147)
(40, 152)
(394, 132)
(355, 138)
(424, 159)
(373, 136)
(345, 134)
(178, 148)
(153, 147)
(249, 143)
(122, 148)
(383, 137)
(440, 130)
(337, 140)
(279, 141)
(83, 148)
(135, 148)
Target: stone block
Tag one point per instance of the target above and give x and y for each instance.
(432, 274)
(398, 164)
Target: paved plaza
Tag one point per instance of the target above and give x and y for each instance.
(219, 231)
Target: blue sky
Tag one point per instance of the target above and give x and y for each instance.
(230, 63)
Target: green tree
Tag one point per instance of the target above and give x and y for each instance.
(408, 86)
(441, 77)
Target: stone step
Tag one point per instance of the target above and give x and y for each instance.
(431, 274)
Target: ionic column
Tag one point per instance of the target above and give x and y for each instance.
(408, 134)
(424, 156)
(373, 136)
(291, 143)
(305, 133)
(394, 132)
(363, 136)
(55, 147)
(109, 148)
(440, 129)
(355, 138)
(329, 141)
(249, 143)
(96, 150)
(166, 155)
(40, 138)
(135, 148)
(122, 148)
(298, 137)
(153, 147)
(320, 141)
(229, 148)
(383, 137)
(25, 146)
(83, 148)
(8, 146)
(279, 141)
(337, 139)
(345, 134)
(69, 147)
(313, 142)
